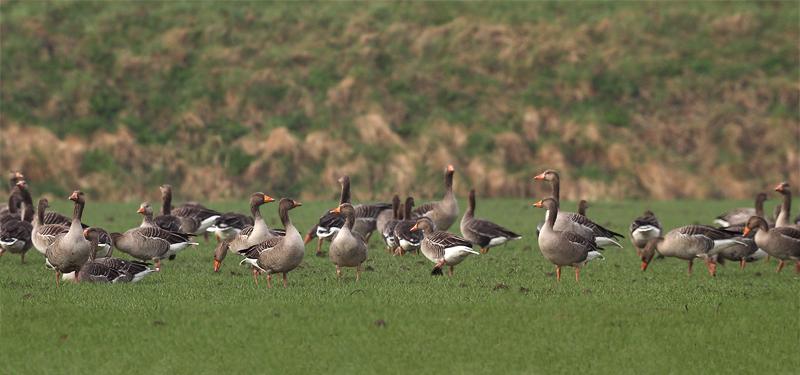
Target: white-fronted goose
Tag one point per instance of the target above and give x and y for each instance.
(643, 229)
(690, 242)
(348, 249)
(44, 234)
(564, 248)
(443, 213)
(572, 222)
(15, 234)
(483, 233)
(151, 242)
(70, 250)
(440, 247)
(229, 225)
(278, 254)
(107, 269)
(388, 229)
(784, 217)
(739, 216)
(780, 242)
(407, 240)
(252, 235)
(194, 218)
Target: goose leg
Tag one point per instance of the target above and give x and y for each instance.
(338, 272)
(158, 264)
(742, 263)
(450, 271)
(269, 281)
(58, 278)
(691, 263)
(577, 274)
(358, 271)
(797, 267)
(255, 275)
(284, 280)
(22, 259)
(319, 247)
(558, 273)
(712, 268)
(780, 266)
(484, 250)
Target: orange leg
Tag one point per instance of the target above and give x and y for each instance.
(255, 275)
(58, 278)
(158, 264)
(712, 268)
(269, 281)
(577, 274)
(742, 263)
(284, 280)
(780, 266)
(558, 273)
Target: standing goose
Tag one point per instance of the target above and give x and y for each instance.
(739, 216)
(151, 242)
(643, 229)
(70, 250)
(348, 249)
(484, 233)
(278, 254)
(43, 235)
(583, 205)
(564, 248)
(107, 269)
(440, 247)
(780, 242)
(407, 240)
(784, 218)
(690, 242)
(249, 236)
(15, 234)
(15, 200)
(388, 229)
(194, 218)
(572, 222)
(230, 224)
(443, 213)
(167, 221)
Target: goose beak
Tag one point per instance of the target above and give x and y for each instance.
(414, 228)
(73, 196)
(268, 199)
(336, 210)
(297, 204)
(21, 183)
(18, 175)
(140, 210)
(217, 265)
(86, 232)
(746, 231)
(538, 204)
(539, 176)
(308, 238)
(644, 265)
(450, 168)
(779, 188)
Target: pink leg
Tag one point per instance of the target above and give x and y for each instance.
(577, 274)
(780, 266)
(255, 275)
(558, 273)
(269, 281)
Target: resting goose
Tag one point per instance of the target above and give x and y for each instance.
(443, 213)
(278, 254)
(564, 248)
(44, 234)
(194, 218)
(407, 240)
(739, 216)
(780, 242)
(388, 229)
(483, 233)
(572, 222)
(690, 242)
(252, 235)
(151, 242)
(107, 269)
(784, 218)
(70, 250)
(15, 234)
(348, 249)
(440, 247)
(230, 224)
(643, 229)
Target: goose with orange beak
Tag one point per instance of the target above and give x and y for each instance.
(442, 248)
(248, 236)
(564, 248)
(348, 249)
(781, 242)
(690, 242)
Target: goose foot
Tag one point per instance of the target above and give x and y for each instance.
(484, 250)
(158, 265)
(712, 268)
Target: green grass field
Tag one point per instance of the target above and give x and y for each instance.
(501, 313)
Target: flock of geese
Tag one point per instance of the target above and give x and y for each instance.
(78, 252)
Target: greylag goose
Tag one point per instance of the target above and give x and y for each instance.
(230, 224)
(194, 218)
(15, 234)
(483, 233)
(44, 234)
(107, 269)
(388, 229)
(15, 200)
(348, 249)
(572, 222)
(407, 240)
(780, 242)
(440, 247)
(564, 248)
(167, 221)
(443, 213)
(70, 250)
(739, 216)
(643, 229)
(249, 236)
(690, 242)
(743, 251)
(784, 218)
(583, 205)
(278, 254)
(151, 242)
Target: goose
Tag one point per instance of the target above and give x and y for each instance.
(743, 251)
(440, 247)
(107, 269)
(15, 234)
(784, 218)
(252, 235)
(690, 242)
(564, 248)
(278, 254)
(348, 249)
(579, 224)
(780, 242)
(739, 216)
(583, 205)
(167, 221)
(44, 234)
(407, 240)
(643, 229)
(194, 218)
(443, 213)
(230, 224)
(151, 243)
(388, 229)
(15, 200)
(484, 233)
(69, 250)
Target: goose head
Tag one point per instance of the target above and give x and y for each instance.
(547, 175)
(259, 198)
(344, 209)
(77, 196)
(425, 224)
(782, 188)
(755, 223)
(549, 204)
(288, 204)
(145, 209)
(649, 252)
